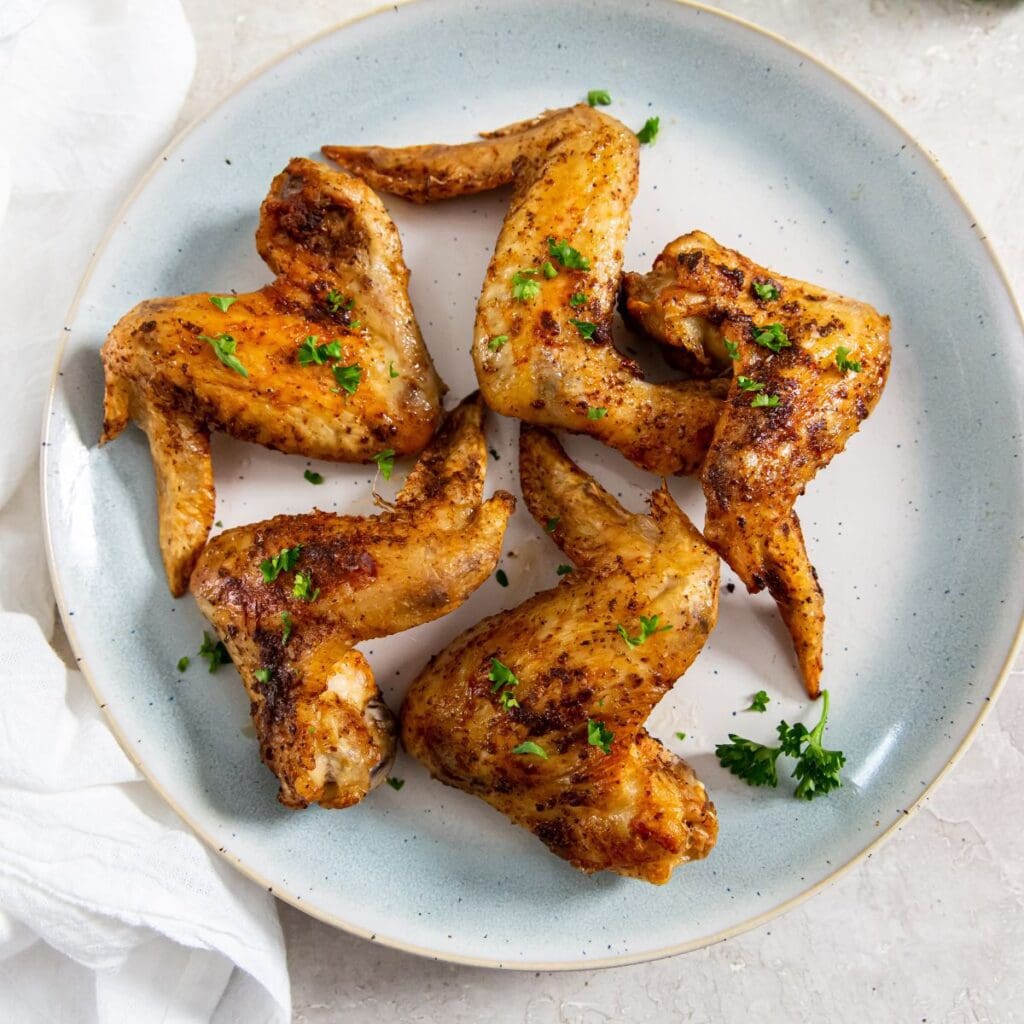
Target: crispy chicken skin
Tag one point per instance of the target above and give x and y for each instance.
(322, 726)
(638, 810)
(321, 232)
(700, 295)
(574, 173)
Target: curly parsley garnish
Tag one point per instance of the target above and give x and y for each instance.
(772, 337)
(569, 257)
(844, 363)
(529, 747)
(760, 701)
(648, 627)
(224, 349)
(284, 561)
(649, 132)
(599, 736)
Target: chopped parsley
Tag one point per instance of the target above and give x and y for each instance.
(385, 462)
(214, 652)
(766, 292)
(392, 372)
(649, 132)
(547, 268)
(354, 325)
(599, 736)
(569, 257)
(749, 384)
(579, 299)
(524, 288)
(335, 301)
(224, 349)
(596, 412)
(529, 747)
(680, 736)
(501, 577)
(816, 770)
(599, 98)
(564, 570)
(313, 478)
(286, 633)
(759, 702)
(395, 784)
(183, 662)
(844, 363)
(732, 350)
(283, 561)
(302, 588)
(586, 329)
(508, 700)
(765, 401)
(348, 377)
(262, 675)
(772, 337)
(223, 302)
(312, 354)
(501, 675)
(648, 627)
(497, 341)
(552, 524)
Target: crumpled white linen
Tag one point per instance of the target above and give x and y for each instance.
(111, 909)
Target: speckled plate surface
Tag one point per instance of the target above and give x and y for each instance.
(915, 530)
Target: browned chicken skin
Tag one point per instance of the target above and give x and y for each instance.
(701, 298)
(322, 725)
(574, 173)
(637, 810)
(340, 277)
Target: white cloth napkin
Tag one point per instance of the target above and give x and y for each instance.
(110, 908)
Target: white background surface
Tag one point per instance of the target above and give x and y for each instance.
(932, 927)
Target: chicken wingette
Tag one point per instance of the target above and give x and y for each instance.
(326, 362)
(540, 710)
(290, 597)
(542, 345)
(807, 366)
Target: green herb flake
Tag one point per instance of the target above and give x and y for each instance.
(335, 301)
(569, 257)
(497, 342)
(385, 462)
(817, 769)
(760, 701)
(395, 784)
(501, 675)
(312, 354)
(283, 561)
(348, 377)
(223, 302)
(313, 478)
(564, 570)
(552, 524)
(586, 329)
(302, 588)
(749, 384)
(214, 652)
(524, 288)
(596, 412)
(680, 736)
(501, 577)
(183, 662)
(844, 363)
(262, 675)
(529, 747)
(650, 130)
(599, 98)
(224, 349)
(507, 700)
(765, 401)
(547, 268)
(755, 763)
(288, 624)
(766, 292)
(392, 372)
(648, 627)
(579, 299)
(599, 736)
(732, 350)
(772, 337)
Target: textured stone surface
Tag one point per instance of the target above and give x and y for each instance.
(931, 928)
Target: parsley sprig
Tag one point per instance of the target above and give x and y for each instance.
(524, 288)
(224, 346)
(772, 337)
(284, 561)
(845, 363)
(765, 291)
(569, 257)
(816, 770)
(529, 747)
(312, 354)
(503, 681)
(648, 627)
(760, 701)
(599, 736)
(214, 652)
(650, 130)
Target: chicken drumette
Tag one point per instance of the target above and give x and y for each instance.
(326, 362)
(807, 365)
(542, 345)
(540, 710)
(291, 597)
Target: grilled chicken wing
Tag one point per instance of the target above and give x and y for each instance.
(574, 173)
(589, 782)
(822, 357)
(340, 296)
(322, 726)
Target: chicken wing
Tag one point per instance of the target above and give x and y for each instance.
(326, 362)
(808, 366)
(540, 710)
(290, 597)
(542, 344)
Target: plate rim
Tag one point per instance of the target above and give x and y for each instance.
(284, 894)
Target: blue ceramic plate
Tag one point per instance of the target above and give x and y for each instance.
(915, 529)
